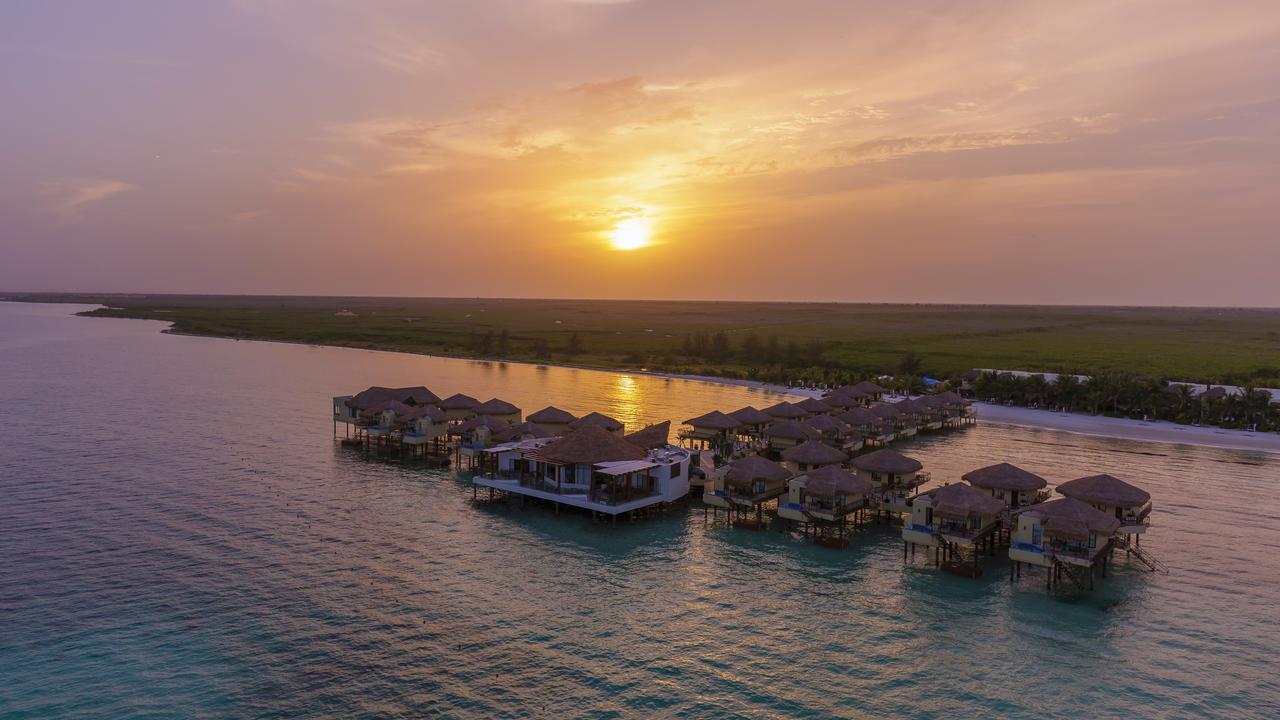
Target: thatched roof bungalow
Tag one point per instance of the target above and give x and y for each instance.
(810, 455)
(552, 418)
(1008, 483)
(1129, 504)
(599, 420)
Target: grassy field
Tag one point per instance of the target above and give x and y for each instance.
(763, 340)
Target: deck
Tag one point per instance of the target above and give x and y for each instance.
(578, 500)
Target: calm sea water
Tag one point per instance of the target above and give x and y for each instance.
(179, 537)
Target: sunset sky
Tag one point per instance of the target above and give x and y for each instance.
(1046, 152)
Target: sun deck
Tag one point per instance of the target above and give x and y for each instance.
(578, 500)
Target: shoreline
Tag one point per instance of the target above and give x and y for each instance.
(1074, 423)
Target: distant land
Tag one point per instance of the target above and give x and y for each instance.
(777, 342)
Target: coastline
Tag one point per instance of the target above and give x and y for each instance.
(1074, 423)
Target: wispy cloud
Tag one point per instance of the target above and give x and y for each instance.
(68, 197)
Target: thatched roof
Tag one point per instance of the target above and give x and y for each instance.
(887, 460)
(869, 388)
(551, 415)
(827, 424)
(960, 500)
(786, 411)
(522, 431)
(751, 416)
(458, 401)
(596, 419)
(792, 430)
(415, 394)
(1104, 490)
(849, 391)
(496, 407)
(714, 420)
(911, 406)
(833, 480)
(932, 402)
(885, 412)
(1069, 517)
(588, 445)
(815, 406)
(427, 411)
(859, 417)
(812, 452)
(753, 467)
(1004, 476)
(952, 398)
(840, 401)
(395, 406)
(495, 426)
(651, 437)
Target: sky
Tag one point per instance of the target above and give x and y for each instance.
(1117, 152)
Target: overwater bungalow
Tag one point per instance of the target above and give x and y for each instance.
(814, 406)
(837, 433)
(1009, 484)
(459, 407)
(910, 417)
(425, 430)
(753, 422)
(895, 423)
(876, 431)
(928, 411)
(786, 411)
(500, 410)
(1130, 505)
(957, 410)
(811, 455)
(873, 391)
(744, 486)
(713, 431)
(894, 475)
(824, 501)
(553, 419)
(347, 409)
(594, 469)
(599, 420)
(524, 431)
(1069, 537)
(846, 397)
(789, 433)
(953, 519)
(475, 435)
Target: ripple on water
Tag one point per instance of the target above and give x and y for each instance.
(182, 539)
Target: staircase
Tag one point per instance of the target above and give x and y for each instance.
(1143, 556)
(1069, 571)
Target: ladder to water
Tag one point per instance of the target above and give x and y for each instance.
(1145, 557)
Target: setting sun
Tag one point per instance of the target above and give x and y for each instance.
(631, 234)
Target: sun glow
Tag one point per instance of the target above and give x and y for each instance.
(632, 233)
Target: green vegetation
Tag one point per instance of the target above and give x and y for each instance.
(779, 342)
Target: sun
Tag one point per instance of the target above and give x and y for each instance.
(631, 234)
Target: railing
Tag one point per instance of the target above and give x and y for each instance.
(1136, 518)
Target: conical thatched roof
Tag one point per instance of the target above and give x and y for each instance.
(814, 406)
(416, 394)
(367, 398)
(652, 437)
(812, 452)
(952, 398)
(427, 411)
(588, 445)
(714, 420)
(885, 412)
(753, 467)
(1069, 517)
(596, 419)
(827, 424)
(833, 480)
(751, 416)
(792, 430)
(960, 500)
(496, 407)
(395, 406)
(887, 460)
(522, 431)
(1004, 476)
(458, 401)
(840, 401)
(932, 402)
(859, 417)
(786, 411)
(1104, 490)
(551, 415)
(869, 388)
(850, 391)
(495, 426)
(910, 406)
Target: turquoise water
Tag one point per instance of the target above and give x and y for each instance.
(179, 537)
